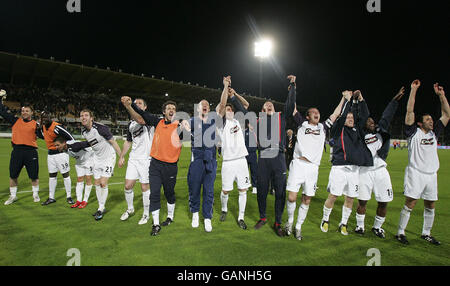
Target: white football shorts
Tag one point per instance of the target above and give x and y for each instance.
(377, 180)
(344, 180)
(137, 169)
(303, 174)
(58, 162)
(235, 170)
(418, 185)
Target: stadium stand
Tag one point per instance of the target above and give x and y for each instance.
(63, 89)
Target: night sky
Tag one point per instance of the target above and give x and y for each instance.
(329, 45)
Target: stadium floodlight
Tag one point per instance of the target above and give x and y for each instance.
(167, 94)
(263, 48)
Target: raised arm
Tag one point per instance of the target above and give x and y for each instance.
(337, 110)
(291, 98)
(237, 104)
(445, 109)
(409, 118)
(220, 109)
(137, 114)
(244, 102)
(6, 115)
(389, 111)
(363, 110)
(340, 121)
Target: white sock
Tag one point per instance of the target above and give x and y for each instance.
(13, 191)
(224, 201)
(290, 206)
(242, 204)
(428, 219)
(378, 223)
(104, 193)
(79, 191)
(360, 220)
(68, 186)
(170, 210)
(35, 190)
(146, 202)
(52, 187)
(404, 218)
(155, 215)
(326, 213)
(98, 192)
(87, 192)
(302, 212)
(129, 196)
(346, 212)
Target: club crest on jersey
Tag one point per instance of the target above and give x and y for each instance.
(371, 140)
(312, 131)
(427, 141)
(234, 130)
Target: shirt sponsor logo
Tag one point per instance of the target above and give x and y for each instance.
(234, 130)
(93, 142)
(427, 141)
(371, 140)
(312, 131)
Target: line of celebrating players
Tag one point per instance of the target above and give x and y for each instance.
(359, 155)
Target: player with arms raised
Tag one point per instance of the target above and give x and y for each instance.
(234, 164)
(423, 163)
(304, 168)
(139, 138)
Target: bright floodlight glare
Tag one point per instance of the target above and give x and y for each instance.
(263, 49)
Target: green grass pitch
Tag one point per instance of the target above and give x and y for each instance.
(31, 234)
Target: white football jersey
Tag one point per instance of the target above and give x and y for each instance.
(233, 141)
(98, 138)
(81, 156)
(310, 142)
(142, 137)
(374, 142)
(422, 152)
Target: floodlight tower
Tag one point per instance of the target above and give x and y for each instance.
(263, 49)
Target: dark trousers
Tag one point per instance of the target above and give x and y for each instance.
(198, 177)
(272, 168)
(165, 175)
(24, 156)
(252, 161)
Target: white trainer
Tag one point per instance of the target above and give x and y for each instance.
(208, 226)
(288, 228)
(11, 200)
(36, 198)
(127, 214)
(144, 219)
(195, 220)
